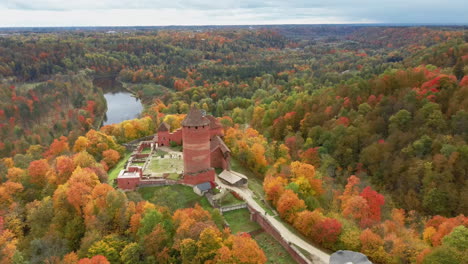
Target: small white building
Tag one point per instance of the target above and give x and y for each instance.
(202, 188)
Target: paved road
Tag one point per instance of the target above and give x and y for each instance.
(320, 257)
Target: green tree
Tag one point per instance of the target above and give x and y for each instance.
(104, 249)
(131, 254)
(457, 239)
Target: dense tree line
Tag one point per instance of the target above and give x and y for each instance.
(346, 125)
(57, 207)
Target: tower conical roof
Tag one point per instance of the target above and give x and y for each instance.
(164, 127)
(195, 117)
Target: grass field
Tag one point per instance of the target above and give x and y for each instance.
(176, 148)
(173, 196)
(146, 151)
(160, 152)
(114, 172)
(165, 165)
(174, 176)
(275, 253)
(239, 221)
(229, 199)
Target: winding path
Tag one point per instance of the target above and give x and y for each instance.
(320, 257)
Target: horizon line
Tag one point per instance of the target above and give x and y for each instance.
(247, 25)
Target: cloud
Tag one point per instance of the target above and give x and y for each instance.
(222, 12)
(166, 16)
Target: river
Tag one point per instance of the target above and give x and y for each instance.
(121, 106)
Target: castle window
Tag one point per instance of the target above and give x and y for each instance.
(196, 127)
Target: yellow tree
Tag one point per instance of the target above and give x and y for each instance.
(16, 174)
(80, 186)
(80, 144)
(208, 245)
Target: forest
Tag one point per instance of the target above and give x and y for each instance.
(358, 133)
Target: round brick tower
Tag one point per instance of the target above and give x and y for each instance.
(196, 142)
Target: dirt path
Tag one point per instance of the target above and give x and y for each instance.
(320, 256)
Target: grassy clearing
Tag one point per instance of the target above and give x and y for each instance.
(274, 252)
(174, 176)
(24, 87)
(165, 165)
(146, 151)
(176, 148)
(265, 207)
(160, 152)
(239, 221)
(114, 172)
(173, 196)
(229, 199)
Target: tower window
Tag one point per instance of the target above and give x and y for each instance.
(196, 127)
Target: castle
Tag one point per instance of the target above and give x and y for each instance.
(203, 151)
(203, 146)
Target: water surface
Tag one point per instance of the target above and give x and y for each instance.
(121, 106)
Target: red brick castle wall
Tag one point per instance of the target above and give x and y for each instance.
(196, 142)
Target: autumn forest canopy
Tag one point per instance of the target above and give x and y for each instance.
(358, 134)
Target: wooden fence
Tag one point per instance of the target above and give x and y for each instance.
(228, 208)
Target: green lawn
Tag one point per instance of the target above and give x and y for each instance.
(174, 176)
(173, 196)
(114, 172)
(176, 148)
(160, 152)
(274, 252)
(229, 199)
(146, 151)
(158, 165)
(239, 221)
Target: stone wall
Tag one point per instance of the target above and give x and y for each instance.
(134, 143)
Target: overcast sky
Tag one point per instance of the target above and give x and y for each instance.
(227, 12)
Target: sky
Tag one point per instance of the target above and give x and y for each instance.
(57, 13)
